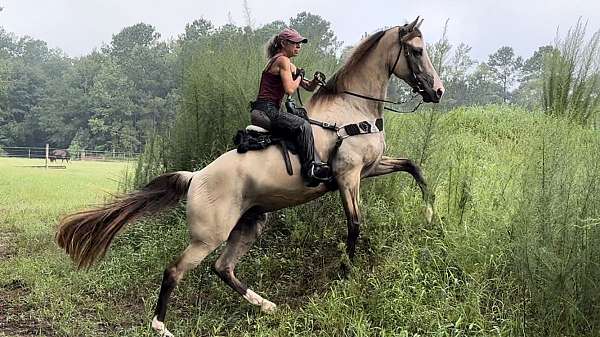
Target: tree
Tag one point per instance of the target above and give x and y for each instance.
(439, 52)
(456, 76)
(483, 87)
(318, 32)
(530, 84)
(198, 29)
(505, 65)
(533, 66)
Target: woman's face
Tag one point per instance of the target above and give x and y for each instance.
(291, 48)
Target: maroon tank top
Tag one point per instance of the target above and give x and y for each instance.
(271, 86)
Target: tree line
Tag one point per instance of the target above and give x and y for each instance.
(121, 96)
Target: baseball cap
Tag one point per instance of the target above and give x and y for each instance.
(292, 35)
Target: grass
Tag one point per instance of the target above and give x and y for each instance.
(31, 266)
(511, 251)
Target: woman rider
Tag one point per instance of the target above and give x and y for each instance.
(281, 77)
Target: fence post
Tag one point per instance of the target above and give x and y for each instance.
(47, 150)
(83, 154)
(29, 153)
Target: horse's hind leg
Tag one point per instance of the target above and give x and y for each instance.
(248, 228)
(191, 257)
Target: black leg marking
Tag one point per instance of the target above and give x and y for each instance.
(166, 288)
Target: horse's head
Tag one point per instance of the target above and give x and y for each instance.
(411, 63)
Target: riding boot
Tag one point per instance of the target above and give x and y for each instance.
(313, 170)
(288, 125)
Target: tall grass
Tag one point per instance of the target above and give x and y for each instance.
(512, 251)
(571, 76)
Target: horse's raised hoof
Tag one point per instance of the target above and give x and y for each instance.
(159, 327)
(268, 307)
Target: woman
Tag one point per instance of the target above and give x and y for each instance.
(279, 77)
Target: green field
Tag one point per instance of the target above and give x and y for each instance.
(513, 250)
(32, 199)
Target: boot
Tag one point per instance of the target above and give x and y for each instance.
(316, 173)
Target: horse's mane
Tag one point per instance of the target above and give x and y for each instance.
(335, 83)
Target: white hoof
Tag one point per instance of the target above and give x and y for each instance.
(429, 214)
(267, 306)
(159, 327)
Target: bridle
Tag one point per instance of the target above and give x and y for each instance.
(416, 74)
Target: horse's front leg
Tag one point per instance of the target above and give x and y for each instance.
(349, 185)
(390, 165)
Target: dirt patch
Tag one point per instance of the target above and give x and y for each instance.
(17, 319)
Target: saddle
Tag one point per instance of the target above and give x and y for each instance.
(257, 137)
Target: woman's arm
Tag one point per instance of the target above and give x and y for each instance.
(285, 71)
(308, 85)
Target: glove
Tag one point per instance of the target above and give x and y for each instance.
(319, 78)
(299, 72)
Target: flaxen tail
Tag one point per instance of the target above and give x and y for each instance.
(86, 235)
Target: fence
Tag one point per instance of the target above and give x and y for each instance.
(46, 152)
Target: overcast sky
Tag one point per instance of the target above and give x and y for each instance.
(79, 26)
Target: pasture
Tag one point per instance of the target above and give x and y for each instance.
(512, 250)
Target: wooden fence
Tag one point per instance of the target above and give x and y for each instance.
(45, 153)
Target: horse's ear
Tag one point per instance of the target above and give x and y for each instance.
(412, 25)
(419, 24)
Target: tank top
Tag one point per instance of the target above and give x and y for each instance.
(271, 85)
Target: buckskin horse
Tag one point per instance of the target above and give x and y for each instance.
(228, 200)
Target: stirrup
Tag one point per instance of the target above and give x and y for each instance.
(317, 173)
(320, 171)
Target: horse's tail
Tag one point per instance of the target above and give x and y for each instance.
(86, 235)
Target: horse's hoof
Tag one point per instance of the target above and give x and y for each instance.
(267, 307)
(159, 327)
(429, 214)
(345, 270)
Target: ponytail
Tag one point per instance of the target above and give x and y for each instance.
(273, 46)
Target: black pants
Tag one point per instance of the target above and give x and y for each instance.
(290, 126)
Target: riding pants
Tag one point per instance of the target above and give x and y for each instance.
(290, 126)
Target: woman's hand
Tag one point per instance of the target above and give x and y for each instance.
(299, 72)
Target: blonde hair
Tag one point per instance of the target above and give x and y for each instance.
(273, 46)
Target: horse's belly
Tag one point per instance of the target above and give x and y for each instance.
(262, 179)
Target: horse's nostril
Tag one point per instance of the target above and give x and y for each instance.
(440, 92)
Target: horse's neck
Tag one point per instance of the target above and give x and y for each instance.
(369, 79)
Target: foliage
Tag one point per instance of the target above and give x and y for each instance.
(572, 77)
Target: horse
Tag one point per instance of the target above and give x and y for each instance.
(59, 154)
(228, 200)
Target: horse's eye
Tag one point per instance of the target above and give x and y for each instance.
(418, 51)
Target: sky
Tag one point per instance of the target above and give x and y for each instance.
(79, 26)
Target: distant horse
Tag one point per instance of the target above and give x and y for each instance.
(228, 200)
(59, 154)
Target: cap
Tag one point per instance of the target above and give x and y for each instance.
(292, 35)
